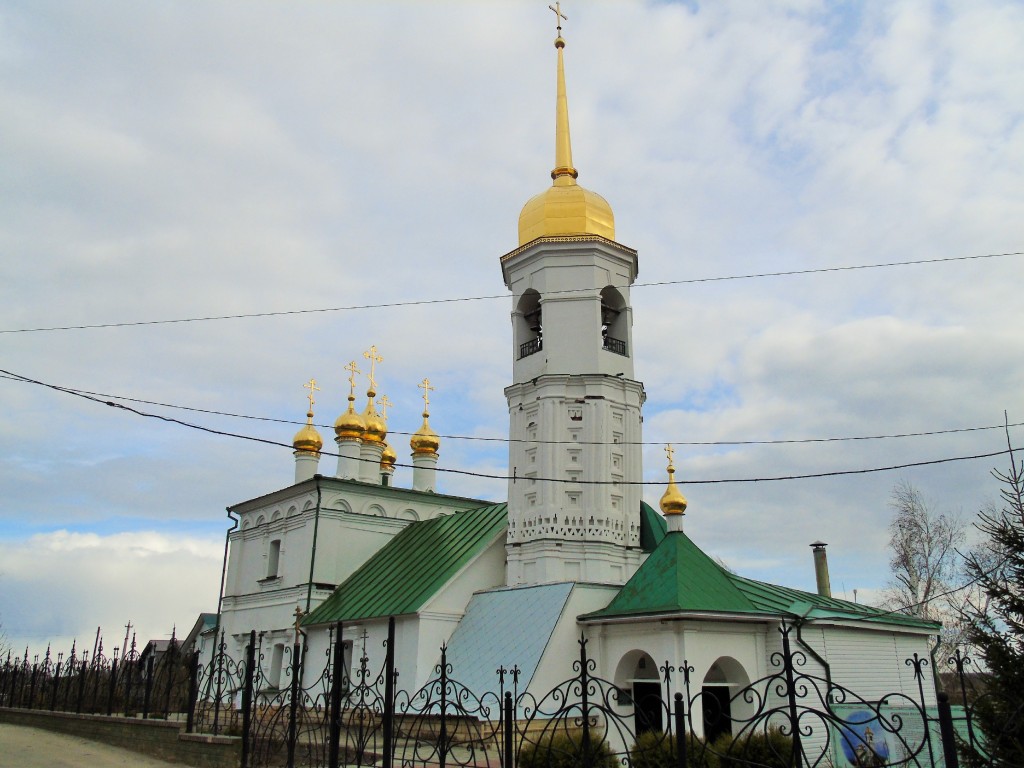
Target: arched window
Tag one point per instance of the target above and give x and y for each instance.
(721, 684)
(614, 330)
(529, 330)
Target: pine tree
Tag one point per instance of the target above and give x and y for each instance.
(997, 630)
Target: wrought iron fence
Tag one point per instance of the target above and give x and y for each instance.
(318, 713)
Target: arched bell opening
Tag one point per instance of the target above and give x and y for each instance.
(721, 710)
(528, 328)
(614, 321)
(637, 679)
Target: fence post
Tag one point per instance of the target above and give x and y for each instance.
(247, 697)
(56, 685)
(337, 686)
(389, 697)
(219, 673)
(128, 686)
(149, 688)
(507, 736)
(584, 702)
(948, 733)
(32, 687)
(81, 684)
(680, 717)
(294, 704)
(112, 686)
(442, 736)
(794, 720)
(193, 690)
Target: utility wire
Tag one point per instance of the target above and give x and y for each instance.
(697, 443)
(514, 477)
(424, 302)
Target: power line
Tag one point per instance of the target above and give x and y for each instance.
(695, 443)
(516, 478)
(425, 302)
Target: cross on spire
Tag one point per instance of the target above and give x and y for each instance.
(312, 387)
(352, 370)
(374, 358)
(298, 620)
(384, 404)
(559, 16)
(670, 452)
(427, 389)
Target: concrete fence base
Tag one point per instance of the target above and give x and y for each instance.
(156, 738)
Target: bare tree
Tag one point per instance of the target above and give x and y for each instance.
(925, 562)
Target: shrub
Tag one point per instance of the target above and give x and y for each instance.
(770, 748)
(565, 750)
(658, 750)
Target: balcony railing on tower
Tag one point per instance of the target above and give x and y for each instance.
(528, 348)
(615, 345)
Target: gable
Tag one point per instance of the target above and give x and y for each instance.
(407, 571)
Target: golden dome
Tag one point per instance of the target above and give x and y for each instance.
(425, 440)
(376, 428)
(672, 501)
(565, 208)
(308, 439)
(388, 457)
(350, 425)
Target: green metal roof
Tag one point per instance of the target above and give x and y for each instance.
(679, 577)
(652, 528)
(413, 566)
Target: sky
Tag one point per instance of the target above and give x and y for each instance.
(177, 160)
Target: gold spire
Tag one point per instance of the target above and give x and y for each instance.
(388, 457)
(672, 501)
(350, 425)
(425, 440)
(565, 208)
(376, 429)
(308, 439)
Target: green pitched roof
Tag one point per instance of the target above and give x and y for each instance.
(679, 577)
(413, 566)
(652, 528)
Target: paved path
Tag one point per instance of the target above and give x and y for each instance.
(22, 747)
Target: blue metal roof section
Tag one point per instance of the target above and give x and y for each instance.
(503, 628)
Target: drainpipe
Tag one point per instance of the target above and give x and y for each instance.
(316, 528)
(223, 576)
(821, 569)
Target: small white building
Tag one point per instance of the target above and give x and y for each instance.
(573, 552)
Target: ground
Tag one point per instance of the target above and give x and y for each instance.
(22, 747)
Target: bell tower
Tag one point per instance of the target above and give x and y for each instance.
(574, 406)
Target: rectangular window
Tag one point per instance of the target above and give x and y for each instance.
(273, 559)
(276, 665)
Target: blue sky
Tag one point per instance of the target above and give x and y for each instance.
(183, 160)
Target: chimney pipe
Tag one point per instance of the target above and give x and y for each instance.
(821, 568)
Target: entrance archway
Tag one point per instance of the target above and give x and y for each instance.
(721, 683)
(637, 675)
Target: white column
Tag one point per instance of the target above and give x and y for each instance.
(424, 472)
(369, 461)
(306, 465)
(348, 458)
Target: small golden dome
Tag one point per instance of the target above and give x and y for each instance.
(566, 209)
(376, 428)
(388, 457)
(425, 440)
(672, 501)
(308, 439)
(350, 425)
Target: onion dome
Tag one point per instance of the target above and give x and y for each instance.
(565, 208)
(425, 440)
(350, 425)
(308, 439)
(376, 428)
(672, 501)
(388, 457)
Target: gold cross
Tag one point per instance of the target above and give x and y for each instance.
(374, 358)
(670, 453)
(383, 402)
(351, 368)
(427, 389)
(312, 387)
(559, 16)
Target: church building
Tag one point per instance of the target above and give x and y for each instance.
(573, 550)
